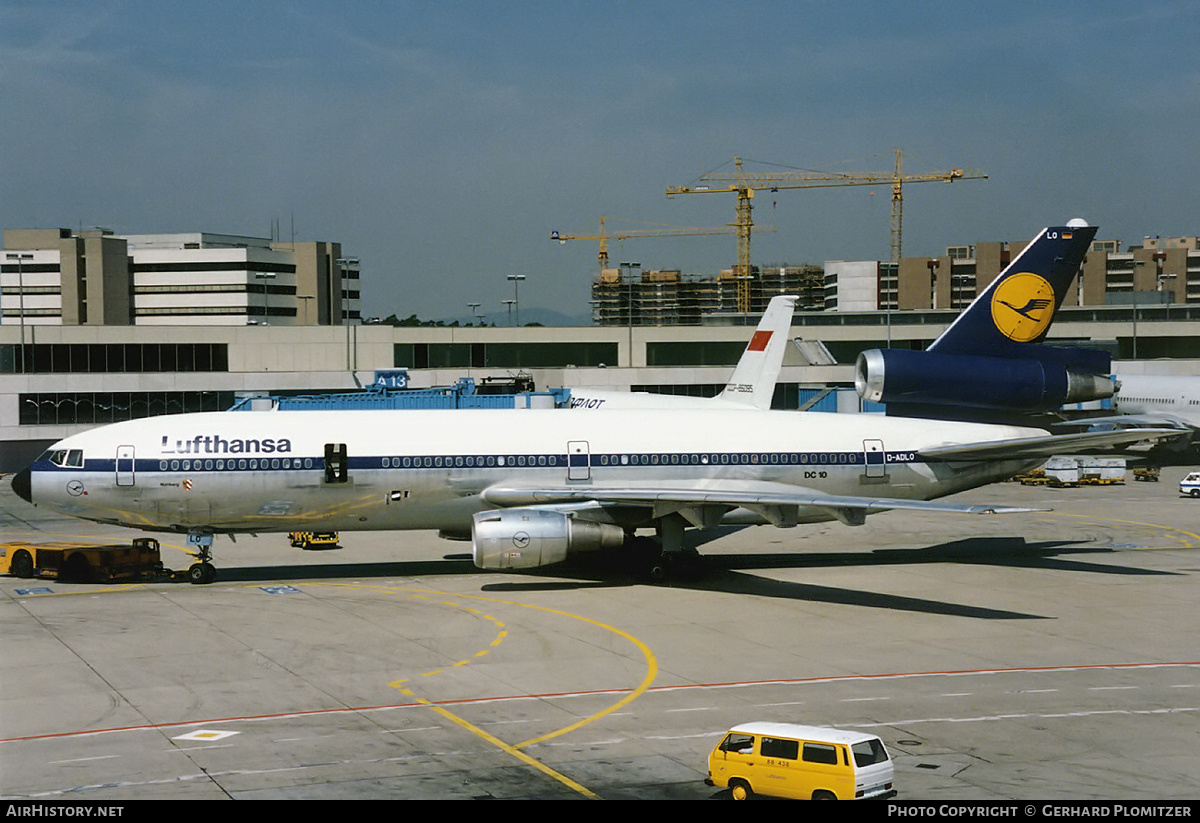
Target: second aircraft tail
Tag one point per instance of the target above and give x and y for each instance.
(753, 381)
(991, 364)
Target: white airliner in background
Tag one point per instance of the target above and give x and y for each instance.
(1158, 400)
(528, 487)
(752, 384)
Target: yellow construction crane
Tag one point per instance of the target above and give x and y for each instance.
(746, 183)
(660, 230)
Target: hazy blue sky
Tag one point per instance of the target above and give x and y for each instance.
(442, 142)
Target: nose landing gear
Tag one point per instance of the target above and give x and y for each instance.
(202, 571)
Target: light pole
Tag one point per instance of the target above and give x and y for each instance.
(474, 307)
(263, 276)
(20, 258)
(346, 265)
(516, 281)
(625, 283)
(957, 287)
(893, 271)
(629, 280)
(932, 264)
(306, 298)
(1170, 296)
(1136, 263)
(509, 303)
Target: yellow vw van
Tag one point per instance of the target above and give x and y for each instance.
(801, 762)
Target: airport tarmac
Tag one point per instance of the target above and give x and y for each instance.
(1051, 655)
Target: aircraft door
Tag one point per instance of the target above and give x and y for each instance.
(125, 475)
(875, 460)
(337, 464)
(579, 462)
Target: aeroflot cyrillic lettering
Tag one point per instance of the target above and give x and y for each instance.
(215, 444)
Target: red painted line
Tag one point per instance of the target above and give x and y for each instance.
(590, 693)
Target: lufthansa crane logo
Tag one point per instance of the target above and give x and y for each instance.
(1023, 306)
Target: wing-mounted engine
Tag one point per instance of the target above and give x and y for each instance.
(1046, 379)
(508, 539)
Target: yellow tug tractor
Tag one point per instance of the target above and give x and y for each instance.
(313, 540)
(84, 563)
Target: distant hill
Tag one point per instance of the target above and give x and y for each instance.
(546, 317)
(531, 316)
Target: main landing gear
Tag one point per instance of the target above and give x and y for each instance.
(202, 571)
(674, 560)
(682, 565)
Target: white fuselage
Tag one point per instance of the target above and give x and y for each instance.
(285, 470)
(605, 400)
(1172, 397)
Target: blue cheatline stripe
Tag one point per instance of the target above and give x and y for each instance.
(495, 461)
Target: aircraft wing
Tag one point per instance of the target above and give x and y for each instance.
(765, 497)
(1043, 446)
(781, 503)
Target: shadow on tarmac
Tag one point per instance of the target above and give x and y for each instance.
(733, 573)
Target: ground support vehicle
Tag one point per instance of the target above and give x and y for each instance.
(313, 540)
(1190, 484)
(84, 563)
(801, 763)
(1068, 471)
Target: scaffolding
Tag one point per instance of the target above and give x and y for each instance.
(630, 296)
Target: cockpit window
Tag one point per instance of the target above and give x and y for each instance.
(67, 458)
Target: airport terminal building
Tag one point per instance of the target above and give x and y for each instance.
(99, 328)
(88, 278)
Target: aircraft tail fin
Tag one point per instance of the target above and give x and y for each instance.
(753, 380)
(1019, 305)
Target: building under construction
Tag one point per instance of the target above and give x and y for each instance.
(631, 296)
(1157, 271)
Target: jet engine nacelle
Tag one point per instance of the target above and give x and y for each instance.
(508, 539)
(1025, 384)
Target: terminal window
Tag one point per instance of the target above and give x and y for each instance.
(113, 358)
(503, 355)
(94, 408)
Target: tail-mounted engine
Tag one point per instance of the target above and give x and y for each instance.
(1044, 382)
(509, 539)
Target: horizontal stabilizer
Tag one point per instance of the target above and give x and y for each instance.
(1129, 421)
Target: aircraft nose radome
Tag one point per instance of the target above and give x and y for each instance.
(22, 485)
